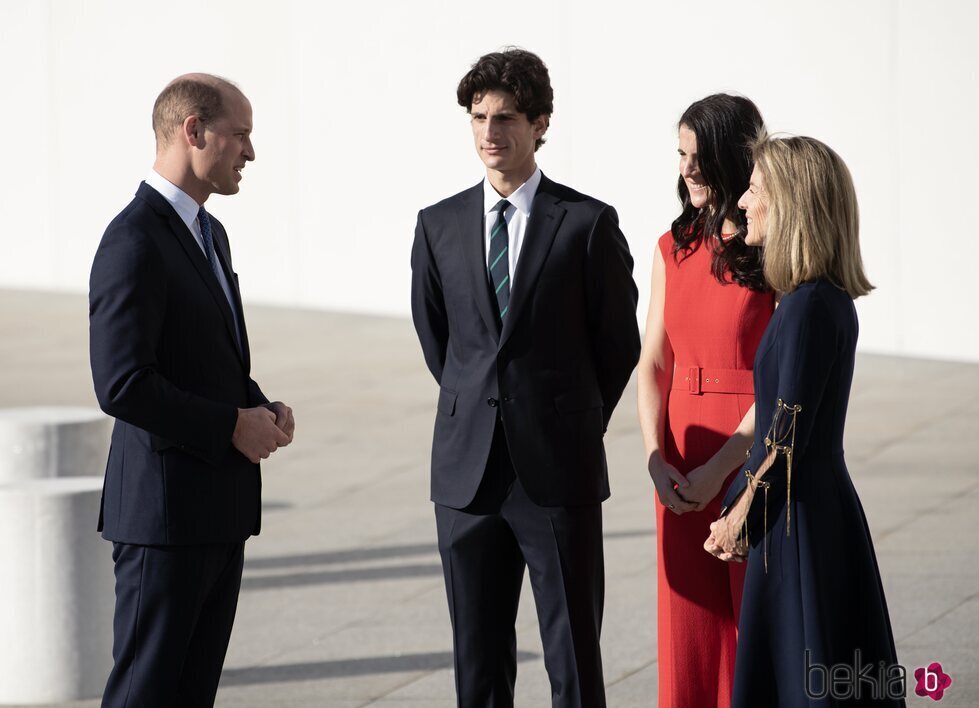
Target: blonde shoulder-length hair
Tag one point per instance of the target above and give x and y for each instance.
(813, 223)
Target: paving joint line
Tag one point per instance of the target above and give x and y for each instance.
(938, 617)
(942, 505)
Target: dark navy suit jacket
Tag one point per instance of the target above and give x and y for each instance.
(167, 366)
(554, 371)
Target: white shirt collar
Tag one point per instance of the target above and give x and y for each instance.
(522, 197)
(181, 202)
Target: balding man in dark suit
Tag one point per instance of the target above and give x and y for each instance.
(170, 362)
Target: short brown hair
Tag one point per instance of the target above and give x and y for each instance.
(813, 220)
(515, 71)
(200, 95)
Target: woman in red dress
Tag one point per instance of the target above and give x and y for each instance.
(708, 309)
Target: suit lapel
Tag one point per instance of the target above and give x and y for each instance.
(470, 216)
(545, 218)
(193, 251)
(224, 258)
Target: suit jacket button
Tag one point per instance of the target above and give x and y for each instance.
(492, 402)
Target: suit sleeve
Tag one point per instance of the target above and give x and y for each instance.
(255, 395)
(612, 301)
(127, 316)
(808, 342)
(427, 303)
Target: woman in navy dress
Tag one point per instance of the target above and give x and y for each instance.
(814, 628)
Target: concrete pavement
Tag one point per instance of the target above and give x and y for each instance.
(342, 601)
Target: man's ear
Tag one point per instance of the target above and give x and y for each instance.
(192, 131)
(541, 124)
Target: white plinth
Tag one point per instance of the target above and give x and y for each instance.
(49, 441)
(56, 594)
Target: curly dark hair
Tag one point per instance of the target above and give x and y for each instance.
(515, 71)
(725, 127)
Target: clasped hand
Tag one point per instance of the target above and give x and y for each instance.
(726, 540)
(262, 430)
(668, 482)
(680, 493)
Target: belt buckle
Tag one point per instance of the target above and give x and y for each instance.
(693, 380)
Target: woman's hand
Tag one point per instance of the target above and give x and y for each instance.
(705, 484)
(726, 541)
(665, 476)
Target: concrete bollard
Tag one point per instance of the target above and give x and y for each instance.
(56, 597)
(49, 441)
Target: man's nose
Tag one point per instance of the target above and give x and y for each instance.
(492, 129)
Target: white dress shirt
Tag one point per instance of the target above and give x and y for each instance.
(186, 209)
(517, 215)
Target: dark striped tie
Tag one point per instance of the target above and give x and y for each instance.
(499, 261)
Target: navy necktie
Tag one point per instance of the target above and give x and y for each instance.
(499, 260)
(205, 224)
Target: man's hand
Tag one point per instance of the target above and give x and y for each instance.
(256, 435)
(284, 420)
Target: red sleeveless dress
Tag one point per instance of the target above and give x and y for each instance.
(714, 330)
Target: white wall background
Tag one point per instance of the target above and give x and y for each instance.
(356, 128)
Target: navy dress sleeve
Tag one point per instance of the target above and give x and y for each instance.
(807, 344)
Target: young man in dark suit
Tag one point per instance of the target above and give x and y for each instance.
(170, 362)
(525, 307)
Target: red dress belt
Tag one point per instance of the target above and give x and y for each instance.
(697, 380)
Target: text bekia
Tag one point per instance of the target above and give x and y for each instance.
(856, 680)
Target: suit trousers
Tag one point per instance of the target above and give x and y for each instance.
(175, 606)
(484, 548)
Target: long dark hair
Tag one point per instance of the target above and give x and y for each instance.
(725, 127)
